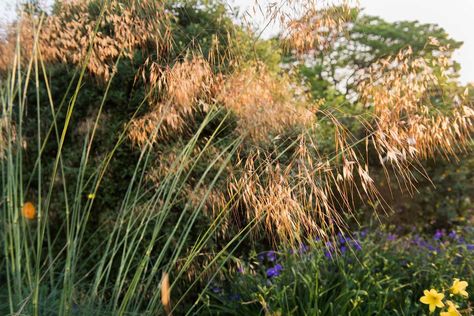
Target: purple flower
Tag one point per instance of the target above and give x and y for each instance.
(341, 238)
(216, 289)
(303, 248)
(275, 271)
(363, 233)
(420, 242)
(431, 248)
(329, 245)
(343, 249)
(452, 235)
(391, 237)
(271, 256)
(328, 254)
(438, 234)
(356, 245)
(470, 247)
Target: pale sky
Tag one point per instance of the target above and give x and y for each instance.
(455, 16)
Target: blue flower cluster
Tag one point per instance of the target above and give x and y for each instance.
(342, 244)
(274, 271)
(440, 237)
(269, 256)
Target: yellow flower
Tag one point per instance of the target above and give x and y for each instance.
(91, 196)
(433, 299)
(459, 287)
(28, 211)
(452, 311)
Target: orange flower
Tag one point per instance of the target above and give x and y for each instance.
(28, 211)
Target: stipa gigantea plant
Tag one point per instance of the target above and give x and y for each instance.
(123, 28)
(305, 194)
(177, 93)
(42, 267)
(408, 125)
(264, 103)
(319, 26)
(267, 109)
(403, 127)
(61, 272)
(304, 25)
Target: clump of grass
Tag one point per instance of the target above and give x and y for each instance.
(44, 266)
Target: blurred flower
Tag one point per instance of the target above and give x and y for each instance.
(452, 235)
(438, 234)
(329, 245)
(275, 271)
(470, 247)
(356, 245)
(91, 196)
(343, 249)
(327, 254)
(417, 240)
(431, 248)
(341, 238)
(216, 289)
(28, 211)
(433, 299)
(459, 287)
(303, 248)
(452, 311)
(271, 256)
(391, 237)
